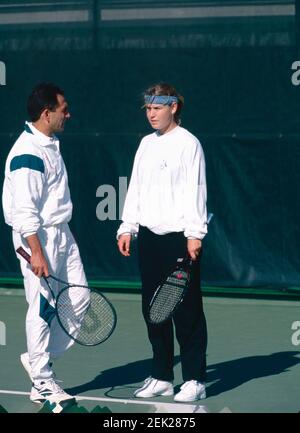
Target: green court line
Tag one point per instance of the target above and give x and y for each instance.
(290, 293)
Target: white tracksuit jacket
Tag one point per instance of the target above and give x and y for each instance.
(36, 199)
(35, 192)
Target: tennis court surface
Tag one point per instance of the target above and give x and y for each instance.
(253, 359)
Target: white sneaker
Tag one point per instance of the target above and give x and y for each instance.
(153, 387)
(26, 364)
(191, 391)
(48, 390)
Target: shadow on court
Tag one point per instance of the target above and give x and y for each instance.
(133, 372)
(231, 374)
(225, 375)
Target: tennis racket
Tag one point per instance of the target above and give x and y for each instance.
(83, 313)
(169, 295)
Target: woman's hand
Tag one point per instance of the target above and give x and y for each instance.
(124, 244)
(194, 248)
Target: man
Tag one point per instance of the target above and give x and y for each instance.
(37, 205)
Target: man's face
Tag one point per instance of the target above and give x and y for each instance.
(58, 117)
(161, 116)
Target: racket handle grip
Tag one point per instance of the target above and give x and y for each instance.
(23, 253)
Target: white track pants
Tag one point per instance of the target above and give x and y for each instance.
(45, 338)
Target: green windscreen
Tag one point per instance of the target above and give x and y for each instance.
(237, 65)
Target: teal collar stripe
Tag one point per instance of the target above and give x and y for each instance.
(47, 312)
(27, 129)
(27, 161)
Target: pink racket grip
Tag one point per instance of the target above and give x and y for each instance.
(23, 253)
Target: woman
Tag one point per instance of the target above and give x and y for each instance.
(166, 207)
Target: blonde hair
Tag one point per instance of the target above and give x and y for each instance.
(165, 89)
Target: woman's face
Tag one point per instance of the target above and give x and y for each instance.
(161, 117)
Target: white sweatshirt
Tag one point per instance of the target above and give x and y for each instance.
(167, 190)
(35, 191)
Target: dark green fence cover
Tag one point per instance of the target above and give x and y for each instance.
(240, 79)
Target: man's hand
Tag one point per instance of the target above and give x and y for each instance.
(38, 262)
(194, 247)
(39, 265)
(124, 244)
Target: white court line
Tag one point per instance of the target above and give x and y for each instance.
(159, 406)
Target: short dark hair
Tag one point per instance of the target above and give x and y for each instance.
(167, 90)
(43, 96)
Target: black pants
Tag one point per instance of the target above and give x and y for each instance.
(157, 257)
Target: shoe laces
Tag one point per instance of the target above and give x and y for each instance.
(148, 380)
(190, 382)
(53, 385)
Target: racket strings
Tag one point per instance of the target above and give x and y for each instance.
(85, 315)
(168, 296)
